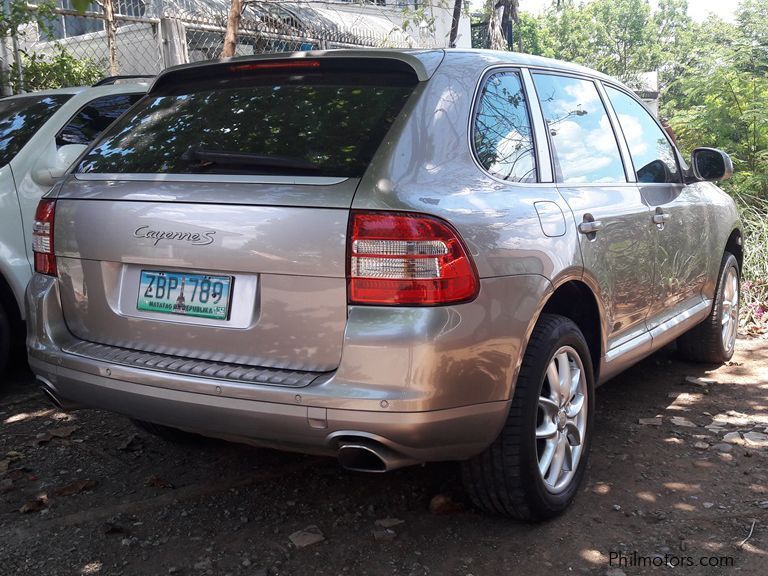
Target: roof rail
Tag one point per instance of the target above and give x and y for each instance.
(109, 80)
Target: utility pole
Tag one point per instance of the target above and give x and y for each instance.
(455, 23)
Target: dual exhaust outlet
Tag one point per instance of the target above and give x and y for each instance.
(356, 454)
(50, 393)
(359, 454)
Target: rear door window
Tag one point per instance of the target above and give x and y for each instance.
(93, 118)
(651, 152)
(21, 118)
(324, 121)
(502, 134)
(584, 147)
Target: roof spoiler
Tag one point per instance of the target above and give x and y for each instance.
(110, 80)
(422, 62)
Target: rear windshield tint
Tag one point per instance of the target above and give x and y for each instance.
(20, 118)
(319, 122)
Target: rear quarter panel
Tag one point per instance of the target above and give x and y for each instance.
(426, 165)
(722, 218)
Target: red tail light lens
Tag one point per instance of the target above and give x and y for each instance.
(278, 65)
(407, 259)
(42, 238)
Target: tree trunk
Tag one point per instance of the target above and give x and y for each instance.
(515, 14)
(174, 42)
(5, 70)
(455, 23)
(498, 25)
(111, 26)
(233, 23)
(497, 39)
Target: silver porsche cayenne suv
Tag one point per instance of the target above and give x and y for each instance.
(390, 257)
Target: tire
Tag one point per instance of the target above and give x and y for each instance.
(506, 479)
(5, 340)
(167, 433)
(708, 342)
(13, 351)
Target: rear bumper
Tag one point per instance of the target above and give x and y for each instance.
(419, 436)
(438, 391)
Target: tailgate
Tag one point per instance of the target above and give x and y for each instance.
(288, 293)
(210, 221)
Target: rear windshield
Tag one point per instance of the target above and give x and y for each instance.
(20, 118)
(318, 122)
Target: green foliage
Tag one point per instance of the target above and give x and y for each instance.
(720, 98)
(81, 5)
(714, 82)
(530, 30)
(421, 15)
(623, 37)
(61, 69)
(754, 295)
(618, 37)
(566, 34)
(18, 14)
(713, 75)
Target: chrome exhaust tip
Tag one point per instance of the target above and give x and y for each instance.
(50, 393)
(360, 458)
(364, 455)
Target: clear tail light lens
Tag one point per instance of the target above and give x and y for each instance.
(42, 238)
(407, 259)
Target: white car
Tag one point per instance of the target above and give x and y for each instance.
(41, 134)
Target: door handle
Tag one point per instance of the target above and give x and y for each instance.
(590, 226)
(660, 218)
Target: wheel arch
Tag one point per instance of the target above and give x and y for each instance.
(10, 305)
(735, 245)
(8, 299)
(575, 300)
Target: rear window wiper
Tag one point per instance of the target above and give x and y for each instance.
(206, 158)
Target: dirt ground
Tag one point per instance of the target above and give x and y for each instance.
(88, 493)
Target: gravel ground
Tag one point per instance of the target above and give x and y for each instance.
(88, 493)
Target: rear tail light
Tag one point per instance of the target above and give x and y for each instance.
(42, 238)
(278, 65)
(407, 259)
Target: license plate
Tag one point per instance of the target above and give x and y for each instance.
(199, 295)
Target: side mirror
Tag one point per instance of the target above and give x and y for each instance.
(655, 171)
(711, 164)
(48, 171)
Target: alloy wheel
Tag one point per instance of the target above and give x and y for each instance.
(729, 316)
(561, 423)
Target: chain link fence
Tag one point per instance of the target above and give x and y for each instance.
(482, 39)
(141, 37)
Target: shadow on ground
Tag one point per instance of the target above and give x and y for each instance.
(106, 498)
